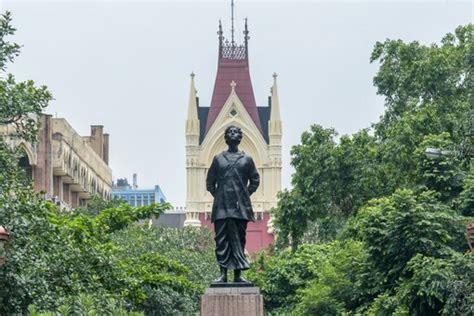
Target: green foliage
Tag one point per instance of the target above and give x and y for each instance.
(386, 304)
(97, 204)
(444, 174)
(85, 304)
(69, 255)
(427, 93)
(466, 198)
(8, 51)
(331, 181)
(397, 228)
(23, 213)
(168, 268)
(154, 283)
(431, 83)
(406, 259)
(280, 277)
(334, 289)
(194, 248)
(114, 219)
(406, 211)
(439, 286)
(291, 217)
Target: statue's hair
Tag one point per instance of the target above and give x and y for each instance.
(239, 130)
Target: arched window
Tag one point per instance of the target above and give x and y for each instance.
(24, 163)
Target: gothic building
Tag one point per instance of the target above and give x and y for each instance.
(233, 103)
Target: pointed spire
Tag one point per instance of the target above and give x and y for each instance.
(274, 124)
(192, 121)
(192, 107)
(275, 112)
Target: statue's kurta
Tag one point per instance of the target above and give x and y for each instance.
(231, 179)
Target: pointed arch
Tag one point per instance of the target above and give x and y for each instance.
(28, 150)
(234, 113)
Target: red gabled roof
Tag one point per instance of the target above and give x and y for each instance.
(233, 65)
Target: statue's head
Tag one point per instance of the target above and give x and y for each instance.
(233, 134)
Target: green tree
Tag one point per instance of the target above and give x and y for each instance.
(439, 285)
(398, 231)
(21, 211)
(397, 228)
(331, 181)
(428, 91)
(406, 211)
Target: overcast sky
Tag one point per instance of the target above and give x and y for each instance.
(126, 65)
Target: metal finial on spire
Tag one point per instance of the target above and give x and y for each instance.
(193, 75)
(246, 31)
(220, 29)
(232, 21)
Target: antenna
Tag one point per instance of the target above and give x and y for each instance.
(232, 20)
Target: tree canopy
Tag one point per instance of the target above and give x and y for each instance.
(428, 97)
(383, 212)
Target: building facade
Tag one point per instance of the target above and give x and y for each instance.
(137, 197)
(173, 218)
(233, 103)
(134, 196)
(66, 167)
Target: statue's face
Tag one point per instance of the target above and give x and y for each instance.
(233, 135)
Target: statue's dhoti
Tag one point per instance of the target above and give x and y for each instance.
(230, 243)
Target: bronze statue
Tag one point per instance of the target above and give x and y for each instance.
(231, 179)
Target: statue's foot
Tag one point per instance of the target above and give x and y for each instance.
(222, 278)
(241, 280)
(238, 277)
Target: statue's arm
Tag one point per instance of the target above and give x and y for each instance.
(211, 179)
(254, 177)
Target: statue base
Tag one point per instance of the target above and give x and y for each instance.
(226, 299)
(232, 284)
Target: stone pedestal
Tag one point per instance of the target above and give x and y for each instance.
(232, 300)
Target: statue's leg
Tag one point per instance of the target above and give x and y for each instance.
(236, 232)
(223, 253)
